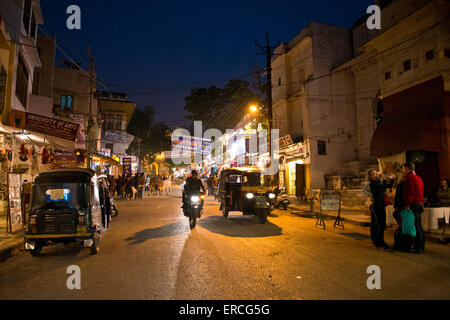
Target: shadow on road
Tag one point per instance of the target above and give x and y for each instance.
(169, 230)
(240, 226)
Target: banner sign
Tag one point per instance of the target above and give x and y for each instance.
(105, 152)
(63, 160)
(114, 136)
(81, 134)
(126, 163)
(192, 144)
(14, 202)
(52, 127)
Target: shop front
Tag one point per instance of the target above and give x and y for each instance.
(416, 127)
(294, 170)
(23, 154)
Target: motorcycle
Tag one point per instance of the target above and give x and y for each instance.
(114, 210)
(283, 201)
(193, 207)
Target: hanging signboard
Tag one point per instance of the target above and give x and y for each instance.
(285, 141)
(14, 203)
(63, 159)
(50, 126)
(126, 166)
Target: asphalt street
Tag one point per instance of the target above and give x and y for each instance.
(150, 253)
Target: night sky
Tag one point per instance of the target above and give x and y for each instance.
(156, 51)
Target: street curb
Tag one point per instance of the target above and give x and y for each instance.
(11, 250)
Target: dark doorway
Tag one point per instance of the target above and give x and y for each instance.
(300, 180)
(427, 167)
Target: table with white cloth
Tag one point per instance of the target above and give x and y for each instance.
(430, 217)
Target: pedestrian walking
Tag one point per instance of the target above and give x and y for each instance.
(378, 186)
(413, 188)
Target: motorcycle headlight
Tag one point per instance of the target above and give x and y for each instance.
(249, 195)
(195, 199)
(271, 195)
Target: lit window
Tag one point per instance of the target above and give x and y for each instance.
(66, 103)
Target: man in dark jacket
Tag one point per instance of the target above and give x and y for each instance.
(193, 184)
(414, 201)
(378, 187)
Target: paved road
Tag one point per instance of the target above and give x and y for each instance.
(150, 253)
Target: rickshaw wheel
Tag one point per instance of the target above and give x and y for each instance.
(224, 210)
(262, 216)
(96, 243)
(37, 249)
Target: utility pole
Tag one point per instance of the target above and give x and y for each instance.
(268, 51)
(90, 119)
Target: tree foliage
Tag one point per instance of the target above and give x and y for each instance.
(221, 108)
(150, 138)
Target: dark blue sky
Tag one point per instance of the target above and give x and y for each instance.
(156, 50)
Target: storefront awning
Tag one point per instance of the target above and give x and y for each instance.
(104, 159)
(410, 129)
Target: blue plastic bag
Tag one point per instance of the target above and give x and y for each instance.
(408, 222)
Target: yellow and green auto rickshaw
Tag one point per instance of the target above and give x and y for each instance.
(247, 190)
(66, 206)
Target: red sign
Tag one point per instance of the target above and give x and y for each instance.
(285, 141)
(63, 160)
(52, 127)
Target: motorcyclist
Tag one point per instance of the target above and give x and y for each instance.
(193, 184)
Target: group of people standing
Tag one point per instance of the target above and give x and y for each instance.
(128, 187)
(409, 194)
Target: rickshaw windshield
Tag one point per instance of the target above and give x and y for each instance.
(59, 196)
(256, 179)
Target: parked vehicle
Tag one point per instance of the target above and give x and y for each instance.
(247, 190)
(67, 205)
(282, 201)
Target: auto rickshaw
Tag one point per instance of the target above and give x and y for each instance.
(66, 206)
(247, 190)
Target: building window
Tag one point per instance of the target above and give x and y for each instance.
(26, 15)
(407, 65)
(429, 55)
(387, 75)
(118, 123)
(321, 147)
(22, 82)
(447, 53)
(279, 81)
(66, 103)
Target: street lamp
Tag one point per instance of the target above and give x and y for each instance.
(253, 108)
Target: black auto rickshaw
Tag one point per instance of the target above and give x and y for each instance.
(247, 190)
(67, 205)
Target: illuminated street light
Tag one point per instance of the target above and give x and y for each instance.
(253, 108)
